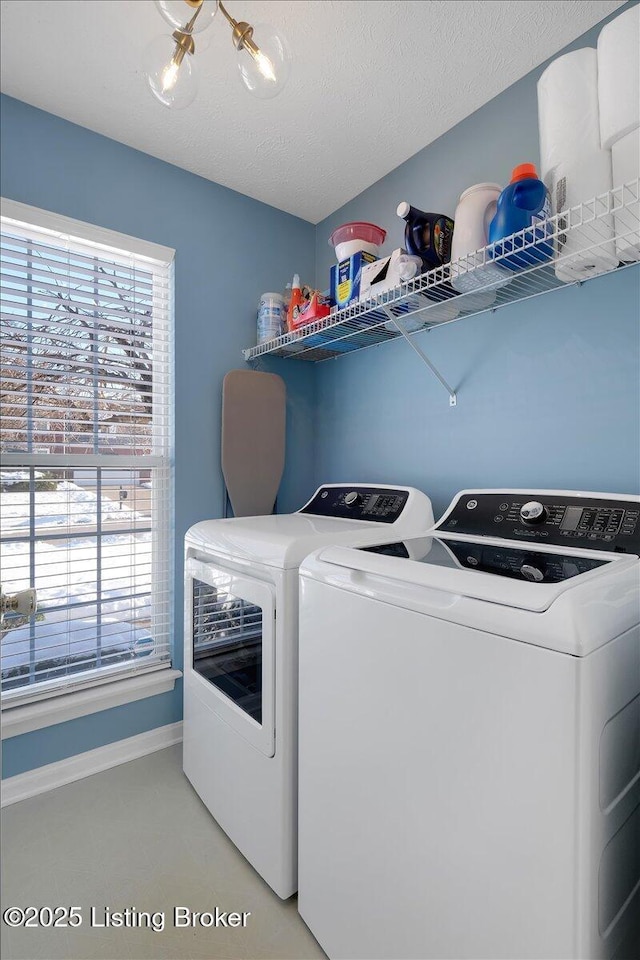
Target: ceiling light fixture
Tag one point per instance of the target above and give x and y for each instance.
(263, 62)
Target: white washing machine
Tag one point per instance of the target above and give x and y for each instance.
(241, 657)
(470, 735)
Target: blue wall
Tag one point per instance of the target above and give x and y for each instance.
(548, 390)
(59, 166)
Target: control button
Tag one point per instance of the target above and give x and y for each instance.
(531, 573)
(350, 498)
(472, 504)
(498, 519)
(503, 507)
(608, 537)
(324, 494)
(472, 561)
(593, 536)
(533, 512)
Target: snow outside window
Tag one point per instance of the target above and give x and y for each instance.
(85, 437)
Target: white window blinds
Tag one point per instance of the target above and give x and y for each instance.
(85, 437)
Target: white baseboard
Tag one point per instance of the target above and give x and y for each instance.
(52, 775)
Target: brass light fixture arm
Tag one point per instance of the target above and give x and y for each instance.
(183, 37)
(242, 32)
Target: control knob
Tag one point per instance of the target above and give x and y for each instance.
(533, 512)
(531, 573)
(351, 498)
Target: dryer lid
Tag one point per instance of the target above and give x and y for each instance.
(281, 541)
(349, 514)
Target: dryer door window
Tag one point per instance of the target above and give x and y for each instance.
(230, 649)
(227, 645)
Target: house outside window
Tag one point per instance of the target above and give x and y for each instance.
(86, 449)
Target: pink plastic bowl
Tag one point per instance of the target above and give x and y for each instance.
(368, 232)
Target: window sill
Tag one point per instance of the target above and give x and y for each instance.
(26, 717)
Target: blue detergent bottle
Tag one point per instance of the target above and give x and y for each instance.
(522, 204)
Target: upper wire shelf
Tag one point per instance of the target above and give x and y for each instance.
(586, 241)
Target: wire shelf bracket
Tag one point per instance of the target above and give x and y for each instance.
(453, 400)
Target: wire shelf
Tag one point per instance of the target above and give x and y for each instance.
(580, 243)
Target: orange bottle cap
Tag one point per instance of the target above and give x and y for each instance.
(524, 171)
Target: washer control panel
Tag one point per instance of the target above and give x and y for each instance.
(562, 520)
(379, 504)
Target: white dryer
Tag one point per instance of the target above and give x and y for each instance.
(470, 735)
(241, 657)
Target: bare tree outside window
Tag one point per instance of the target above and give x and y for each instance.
(97, 391)
(83, 397)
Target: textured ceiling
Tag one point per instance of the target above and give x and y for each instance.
(372, 83)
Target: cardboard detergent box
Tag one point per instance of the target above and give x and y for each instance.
(346, 277)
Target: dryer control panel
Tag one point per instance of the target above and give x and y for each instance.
(379, 504)
(564, 520)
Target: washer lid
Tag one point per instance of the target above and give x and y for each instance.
(528, 579)
(495, 558)
(574, 615)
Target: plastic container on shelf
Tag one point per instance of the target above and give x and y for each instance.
(271, 316)
(349, 248)
(426, 235)
(476, 208)
(294, 303)
(356, 237)
(524, 203)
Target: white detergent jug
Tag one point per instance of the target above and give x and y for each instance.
(475, 211)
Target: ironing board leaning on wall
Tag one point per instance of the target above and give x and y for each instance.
(253, 440)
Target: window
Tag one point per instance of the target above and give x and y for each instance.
(85, 437)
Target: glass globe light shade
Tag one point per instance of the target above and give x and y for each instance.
(178, 13)
(202, 41)
(173, 83)
(264, 74)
